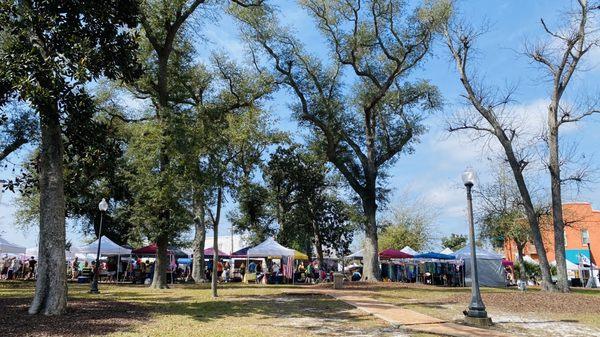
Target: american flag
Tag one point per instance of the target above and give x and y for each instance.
(288, 269)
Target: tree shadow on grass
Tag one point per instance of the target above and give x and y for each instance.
(126, 311)
(84, 317)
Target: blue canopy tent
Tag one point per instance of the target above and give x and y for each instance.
(429, 256)
(432, 255)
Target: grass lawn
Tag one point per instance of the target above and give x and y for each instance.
(255, 310)
(187, 310)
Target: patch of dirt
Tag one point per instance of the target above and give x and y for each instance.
(537, 327)
(537, 302)
(84, 318)
(337, 326)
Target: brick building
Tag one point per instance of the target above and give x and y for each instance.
(582, 226)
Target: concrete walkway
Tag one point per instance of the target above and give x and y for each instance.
(410, 320)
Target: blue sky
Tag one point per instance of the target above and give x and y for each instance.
(432, 174)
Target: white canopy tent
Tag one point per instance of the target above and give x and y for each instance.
(356, 255)
(107, 247)
(10, 248)
(447, 251)
(270, 247)
(34, 251)
(489, 266)
(409, 250)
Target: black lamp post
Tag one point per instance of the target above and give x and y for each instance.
(103, 207)
(476, 307)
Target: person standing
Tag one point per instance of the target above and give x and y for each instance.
(309, 273)
(11, 268)
(243, 269)
(75, 269)
(227, 271)
(5, 266)
(219, 270)
(32, 263)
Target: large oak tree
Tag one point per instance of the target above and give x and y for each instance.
(49, 51)
(366, 116)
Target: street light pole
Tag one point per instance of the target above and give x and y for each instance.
(103, 207)
(476, 307)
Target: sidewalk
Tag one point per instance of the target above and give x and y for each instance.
(407, 319)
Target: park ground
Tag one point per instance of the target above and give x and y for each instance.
(254, 310)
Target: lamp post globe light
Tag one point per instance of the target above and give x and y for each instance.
(103, 207)
(476, 313)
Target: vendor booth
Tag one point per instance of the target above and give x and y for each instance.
(394, 265)
(148, 253)
(10, 248)
(489, 267)
(271, 249)
(107, 248)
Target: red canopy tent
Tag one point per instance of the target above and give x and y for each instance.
(210, 252)
(394, 254)
(148, 250)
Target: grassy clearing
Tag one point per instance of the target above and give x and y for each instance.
(254, 310)
(240, 310)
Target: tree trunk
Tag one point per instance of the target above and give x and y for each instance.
(159, 280)
(213, 285)
(198, 268)
(522, 272)
(562, 281)
(532, 216)
(51, 285)
(371, 269)
(318, 242)
(199, 239)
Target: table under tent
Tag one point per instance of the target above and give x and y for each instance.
(10, 248)
(108, 248)
(439, 269)
(271, 250)
(429, 268)
(489, 267)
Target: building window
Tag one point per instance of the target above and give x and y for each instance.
(585, 237)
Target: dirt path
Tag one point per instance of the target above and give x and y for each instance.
(409, 320)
